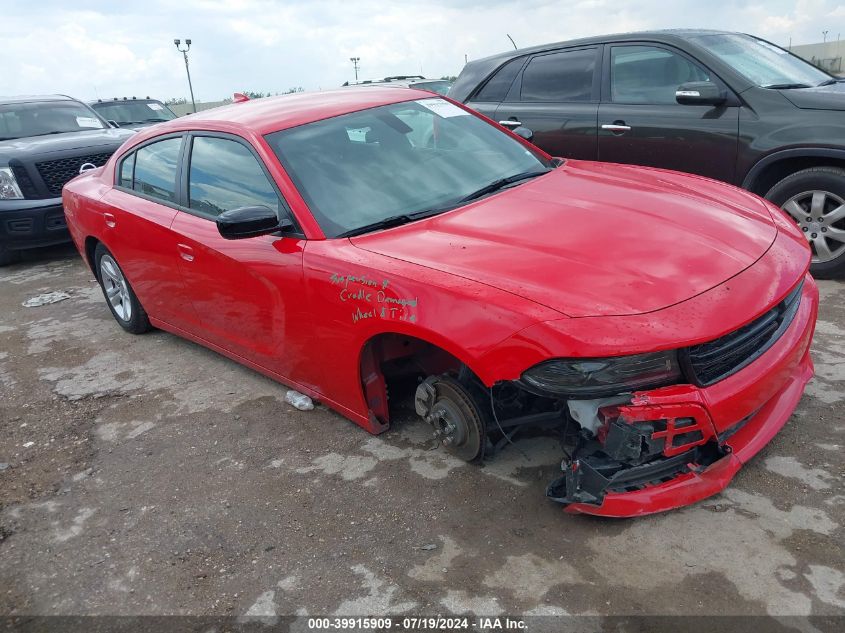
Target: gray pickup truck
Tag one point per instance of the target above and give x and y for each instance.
(44, 141)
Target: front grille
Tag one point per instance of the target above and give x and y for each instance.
(710, 362)
(56, 173)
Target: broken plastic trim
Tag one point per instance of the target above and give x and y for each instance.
(588, 480)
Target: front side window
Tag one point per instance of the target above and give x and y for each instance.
(649, 75)
(562, 77)
(417, 157)
(155, 169)
(38, 118)
(225, 175)
(763, 64)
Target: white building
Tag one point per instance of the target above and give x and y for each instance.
(825, 55)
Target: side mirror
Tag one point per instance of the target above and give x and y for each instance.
(700, 93)
(524, 132)
(237, 224)
(112, 123)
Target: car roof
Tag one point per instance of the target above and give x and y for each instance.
(404, 83)
(34, 98)
(272, 114)
(666, 34)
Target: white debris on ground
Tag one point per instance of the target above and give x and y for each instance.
(44, 299)
(299, 400)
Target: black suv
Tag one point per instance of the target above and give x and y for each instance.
(44, 141)
(132, 112)
(724, 105)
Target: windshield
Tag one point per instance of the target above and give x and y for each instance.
(19, 120)
(440, 86)
(128, 112)
(764, 64)
(416, 157)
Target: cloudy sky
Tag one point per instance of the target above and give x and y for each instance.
(125, 47)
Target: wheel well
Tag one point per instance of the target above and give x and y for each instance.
(777, 171)
(395, 362)
(90, 247)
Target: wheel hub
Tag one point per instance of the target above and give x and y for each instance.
(449, 425)
(449, 408)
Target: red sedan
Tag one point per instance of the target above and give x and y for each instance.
(341, 242)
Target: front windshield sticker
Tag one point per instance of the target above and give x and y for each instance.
(87, 121)
(373, 299)
(442, 108)
(155, 106)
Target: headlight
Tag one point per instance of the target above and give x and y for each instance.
(604, 376)
(9, 189)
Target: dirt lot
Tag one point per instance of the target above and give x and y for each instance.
(147, 475)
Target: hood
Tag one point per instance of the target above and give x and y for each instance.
(830, 97)
(109, 138)
(593, 239)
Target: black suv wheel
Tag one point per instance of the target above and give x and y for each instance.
(815, 199)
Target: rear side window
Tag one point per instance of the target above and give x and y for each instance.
(155, 169)
(496, 88)
(563, 76)
(649, 75)
(225, 175)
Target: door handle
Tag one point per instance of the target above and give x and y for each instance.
(185, 252)
(510, 123)
(110, 221)
(617, 127)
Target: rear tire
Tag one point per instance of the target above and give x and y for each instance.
(815, 200)
(120, 298)
(9, 256)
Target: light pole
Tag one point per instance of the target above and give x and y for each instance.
(824, 36)
(355, 61)
(184, 52)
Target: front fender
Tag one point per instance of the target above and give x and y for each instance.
(357, 295)
(796, 152)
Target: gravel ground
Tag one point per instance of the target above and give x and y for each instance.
(147, 475)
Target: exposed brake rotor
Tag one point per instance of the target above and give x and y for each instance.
(449, 407)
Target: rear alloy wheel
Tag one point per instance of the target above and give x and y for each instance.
(9, 256)
(815, 199)
(124, 305)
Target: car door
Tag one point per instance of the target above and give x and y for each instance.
(140, 209)
(247, 294)
(641, 123)
(556, 96)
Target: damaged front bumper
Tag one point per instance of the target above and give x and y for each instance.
(673, 446)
